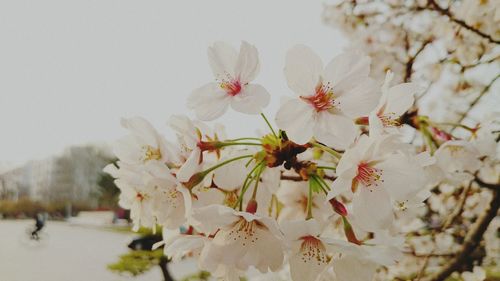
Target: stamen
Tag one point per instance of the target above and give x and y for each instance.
(245, 231)
(323, 99)
(313, 250)
(369, 175)
(151, 153)
(389, 119)
(232, 87)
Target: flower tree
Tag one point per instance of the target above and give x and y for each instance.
(452, 50)
(335, 191)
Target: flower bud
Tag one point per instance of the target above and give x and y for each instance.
(194, 180)
(338, 207)
(251, 206)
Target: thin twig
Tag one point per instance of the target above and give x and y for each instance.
(476, 100)
(446, 12)
(472, 240)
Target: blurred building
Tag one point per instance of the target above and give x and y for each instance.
(70, 177)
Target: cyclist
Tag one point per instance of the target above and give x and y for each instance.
(39, 224)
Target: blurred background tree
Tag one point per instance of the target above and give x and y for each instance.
(452, 49)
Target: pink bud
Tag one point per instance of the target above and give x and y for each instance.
(338, 207)
(252, 206)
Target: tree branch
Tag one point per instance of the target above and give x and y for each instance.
(472, 240)
(446, 12)
(492, 186)
(476, 100)
(411, 60)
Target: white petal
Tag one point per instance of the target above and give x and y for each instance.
(184, 244)
(400, 98)
(190, 167)
(303, 70)
(210, 218)
(185, 128)
(335, 130)
(251, 100)
(304, 267)
(295, 229)
(296, 118)
(141, 128)
(347, 70)
(401, 177)
(209, 102)
(247, 66)
(222, 58)
(372, 208)
(128, 150)
(231, 176)
(340, 185)
(360, 100)
(376, 125)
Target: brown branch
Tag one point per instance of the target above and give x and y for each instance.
(476, 100)
(459, 209)
(444, 255)
(472, 240)
(411, 60)
(446, 12)
(492, 186)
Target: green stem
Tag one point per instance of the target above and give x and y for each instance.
(327, 149)
(455, 125)
(316, 179)
(257, 180)
(327, 168)
(269, 125)
(224, 163)
(240, 139)
(322, 182)
(245, 186)
(222, 144)
(428, 137)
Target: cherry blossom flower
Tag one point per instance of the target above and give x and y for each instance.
(309, 256)
(144, 144)
(328, 98)
(153, 195)
(394, 102)
(233, 72)
(240, 239)
(477, 274)
(190, 135)
(456, 161)
(294, 196)
(378, 177)
(231, 176)
(178, 244)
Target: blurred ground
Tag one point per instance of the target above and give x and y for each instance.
(70, 253)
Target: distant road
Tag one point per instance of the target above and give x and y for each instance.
(72, 253)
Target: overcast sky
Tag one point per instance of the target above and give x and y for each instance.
(69, 70)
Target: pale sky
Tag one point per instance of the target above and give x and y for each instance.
(69, 70)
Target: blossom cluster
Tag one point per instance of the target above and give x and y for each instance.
(451, 49)
(330, 194)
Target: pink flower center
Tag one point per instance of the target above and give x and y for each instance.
(322, 99)
(232, 87)
(368, 175)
